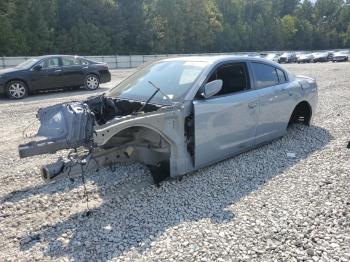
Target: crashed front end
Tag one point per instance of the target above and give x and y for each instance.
(109, 131)
(64, 126)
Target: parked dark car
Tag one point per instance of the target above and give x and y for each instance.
(287, 58)
(341, 56)
(305, 58)
(52, 72)
(323, 57)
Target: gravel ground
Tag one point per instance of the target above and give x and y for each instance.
(258, 206)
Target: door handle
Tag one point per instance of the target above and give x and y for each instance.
(58, 70)
(252, 104)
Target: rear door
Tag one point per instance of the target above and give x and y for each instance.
(274, 101)
(225, 124)
(288, 93)
(48, 77)
(72, 71)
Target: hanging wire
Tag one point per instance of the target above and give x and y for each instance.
(26, 128)
(82, 161)
(88, 213)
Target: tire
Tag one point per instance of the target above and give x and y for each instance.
(16, 89)
(92, 82)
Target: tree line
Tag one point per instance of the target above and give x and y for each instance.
(110, 27)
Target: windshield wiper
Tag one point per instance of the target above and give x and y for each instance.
(160, 91)
(153, 95)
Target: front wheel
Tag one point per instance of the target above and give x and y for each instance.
(92, 82)
(17, 89)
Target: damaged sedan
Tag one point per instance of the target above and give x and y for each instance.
(175, 116)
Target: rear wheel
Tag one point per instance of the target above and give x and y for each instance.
(17, 89)
(301, 114)
(92, 82)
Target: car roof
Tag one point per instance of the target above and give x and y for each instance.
(217, 59)
(48, 56)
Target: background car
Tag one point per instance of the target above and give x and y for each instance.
(287, 58)
(305, 58)
(299, 54)
(341, 56)
(52, 72)
(272, 57)
(323, 57)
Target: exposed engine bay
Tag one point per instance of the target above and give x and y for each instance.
(70, 125)
(107, 108)
(73, 125)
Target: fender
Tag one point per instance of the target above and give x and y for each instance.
(169, 124)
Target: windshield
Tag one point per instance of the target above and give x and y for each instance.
(174, 78)
(27, 64)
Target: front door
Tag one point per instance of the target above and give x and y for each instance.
(225, 124)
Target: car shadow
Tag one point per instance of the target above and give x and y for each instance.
(131, 219)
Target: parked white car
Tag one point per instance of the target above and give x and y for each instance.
(272, 57)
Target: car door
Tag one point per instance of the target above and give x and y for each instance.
(287, 95)
(72, 71)
(273, 103)
(225, 124)
(47, 76)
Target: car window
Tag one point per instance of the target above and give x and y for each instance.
(173, 78)
(27, 64)
(189, 76)
(50, 63)
(265, 75)
(83, 61)
(234, 77)
(70, 61)
(281, 76)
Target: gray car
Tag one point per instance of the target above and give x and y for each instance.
(176, 115)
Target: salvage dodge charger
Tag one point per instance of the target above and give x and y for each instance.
(176, 116)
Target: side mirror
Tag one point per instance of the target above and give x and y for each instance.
(212, 88)
(37, 67)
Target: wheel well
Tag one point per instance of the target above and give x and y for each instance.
(95, 74)
(302, 113)
(17, 79)
(137, 134)
(147, 146)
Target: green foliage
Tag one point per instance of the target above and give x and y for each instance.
(95, 27)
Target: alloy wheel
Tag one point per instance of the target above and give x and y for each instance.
(92, 82)
(17, 90)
